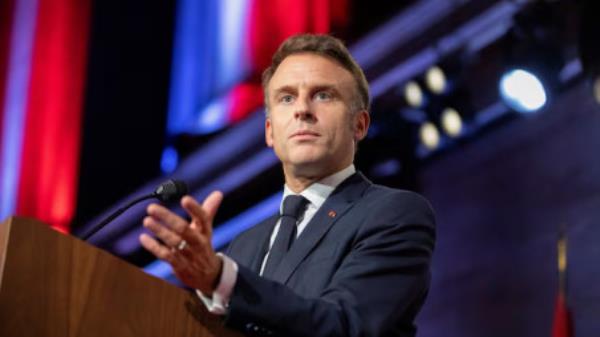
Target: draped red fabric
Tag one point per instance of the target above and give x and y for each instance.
(271, 22)
(274, 21)
(562, 325)
(247, 97)
(50, 159)
(339, 13)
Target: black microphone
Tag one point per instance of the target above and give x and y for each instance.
(170, 190)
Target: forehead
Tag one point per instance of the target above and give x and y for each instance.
(308, 69)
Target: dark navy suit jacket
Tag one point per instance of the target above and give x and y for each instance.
(359, 268)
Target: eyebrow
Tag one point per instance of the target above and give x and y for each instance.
(284, 89)
(316, 88)
(325, 87)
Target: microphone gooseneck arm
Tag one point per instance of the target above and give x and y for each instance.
(169, 191)
(115, 214)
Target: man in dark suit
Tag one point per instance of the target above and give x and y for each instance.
(344, 257)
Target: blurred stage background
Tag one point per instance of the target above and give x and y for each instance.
(489, 108)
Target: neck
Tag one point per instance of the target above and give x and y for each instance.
(299, 184)
(298, 180)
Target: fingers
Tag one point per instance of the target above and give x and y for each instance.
(171, 228)
(162, 215)
(211, 204)
(194, 209)
(161, 251)
(169, 237)
(203, 215)
(156, 248)
(196, 264)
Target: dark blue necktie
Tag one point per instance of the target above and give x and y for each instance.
(293, 207)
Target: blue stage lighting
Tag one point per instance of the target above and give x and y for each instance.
(522, 91)
(169, 160)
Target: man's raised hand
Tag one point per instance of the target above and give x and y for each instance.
(186, 246)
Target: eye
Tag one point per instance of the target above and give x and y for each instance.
(323, 96)
(286, 99)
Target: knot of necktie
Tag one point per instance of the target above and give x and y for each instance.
(293, 206)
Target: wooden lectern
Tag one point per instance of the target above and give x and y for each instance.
(53, 284)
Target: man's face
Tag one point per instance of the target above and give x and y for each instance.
(310, 124)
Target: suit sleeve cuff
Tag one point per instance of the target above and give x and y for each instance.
(219, 301)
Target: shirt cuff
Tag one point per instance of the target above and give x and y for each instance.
(218, 303)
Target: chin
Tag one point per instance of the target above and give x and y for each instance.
(312, 167)
(307, 163)
(308, 158)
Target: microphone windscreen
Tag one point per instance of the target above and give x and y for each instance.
(171, 190)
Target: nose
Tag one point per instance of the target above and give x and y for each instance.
(303, 110)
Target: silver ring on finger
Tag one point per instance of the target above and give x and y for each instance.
(182, 244)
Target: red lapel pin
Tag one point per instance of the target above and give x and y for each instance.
(332, 214)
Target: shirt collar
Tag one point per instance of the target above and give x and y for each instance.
(320, 190)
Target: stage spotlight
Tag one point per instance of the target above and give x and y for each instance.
(430, 136)
(435, 79)
(452, 122)
(522, 91)
(413, 94)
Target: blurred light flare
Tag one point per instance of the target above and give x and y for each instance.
(436, 80)
(413, 94)
(429, 135)
(213, 117)
(522, 91)
(169, 160)
(452, 122)
(387, 168)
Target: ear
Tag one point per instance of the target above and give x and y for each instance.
(362, 120)
(268, 132)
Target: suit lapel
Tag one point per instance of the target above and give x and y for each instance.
(334, 208)
(256, 262)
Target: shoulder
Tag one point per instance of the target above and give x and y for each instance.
(383, 195)
(396, 206)
(387, 196)
(374, 203)
(379, 195)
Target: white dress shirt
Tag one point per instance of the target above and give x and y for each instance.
(316, 194)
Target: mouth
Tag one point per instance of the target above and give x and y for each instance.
(304, 134)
